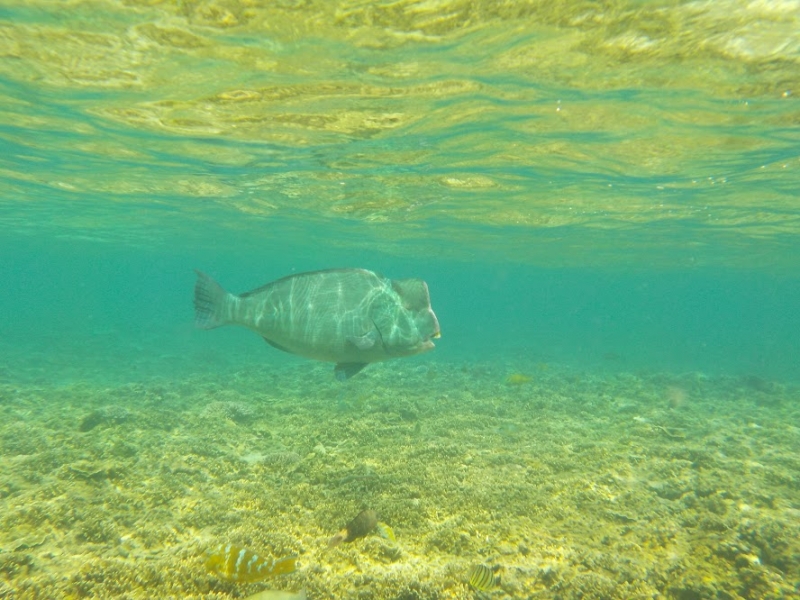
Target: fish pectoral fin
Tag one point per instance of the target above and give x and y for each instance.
(366, 341)
(347, 370)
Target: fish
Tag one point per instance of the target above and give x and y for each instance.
(385, 531)
(361, 525)
(235, 563)
(278, 595)
(482, 578)
(351, 317)
(517, 379)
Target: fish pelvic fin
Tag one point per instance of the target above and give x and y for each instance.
(347, 370)
(211, 303)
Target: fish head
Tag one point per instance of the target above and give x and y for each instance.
(410, 324)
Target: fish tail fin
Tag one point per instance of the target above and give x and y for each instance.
(211, 302)
(282, 566)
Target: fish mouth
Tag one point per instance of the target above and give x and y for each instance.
(426, 345)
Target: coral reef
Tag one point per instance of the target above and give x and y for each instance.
(571, 485)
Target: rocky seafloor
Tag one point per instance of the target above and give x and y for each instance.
(569, 484)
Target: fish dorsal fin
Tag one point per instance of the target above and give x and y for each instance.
(413, 293)
(347, 370)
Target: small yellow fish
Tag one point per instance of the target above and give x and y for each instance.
(517, 379)
(482, 578)
(240, 564)
(385, 531)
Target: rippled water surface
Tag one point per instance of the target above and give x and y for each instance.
(549, 133)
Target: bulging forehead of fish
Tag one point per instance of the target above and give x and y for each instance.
(413, 294)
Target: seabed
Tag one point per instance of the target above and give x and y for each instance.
(570, 484)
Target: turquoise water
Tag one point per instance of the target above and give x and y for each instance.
(103, 311)
(573, 181)
(603, 198)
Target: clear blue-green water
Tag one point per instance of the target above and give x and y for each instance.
(603, 198)
(99, 310)
(573, 181)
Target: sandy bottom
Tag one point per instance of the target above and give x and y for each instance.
(571, 485)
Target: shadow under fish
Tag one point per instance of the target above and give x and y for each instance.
(351, 317)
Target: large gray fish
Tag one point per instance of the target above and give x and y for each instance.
(351, 317)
